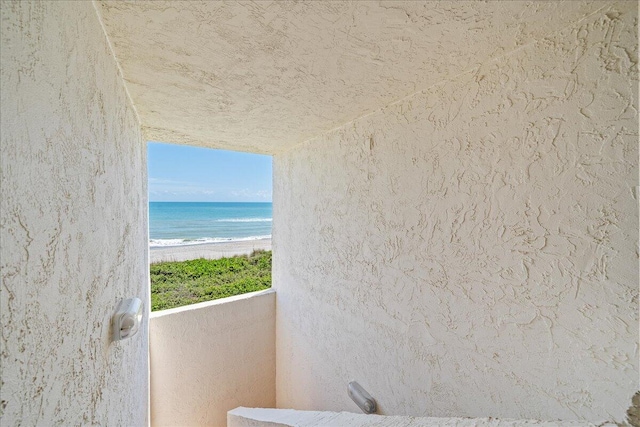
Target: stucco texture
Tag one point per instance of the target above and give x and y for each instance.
(263, 76)
(470, 250)
(259, 417)
(73, 224)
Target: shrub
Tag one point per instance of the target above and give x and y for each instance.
(175, 284)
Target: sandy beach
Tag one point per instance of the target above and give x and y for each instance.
(207, 250)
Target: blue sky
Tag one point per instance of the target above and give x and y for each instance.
(180, 173)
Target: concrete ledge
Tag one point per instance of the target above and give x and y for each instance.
(201, 305)
(261, 417)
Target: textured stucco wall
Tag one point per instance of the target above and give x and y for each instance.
(73, 224)
(471, 249)
(209, 358)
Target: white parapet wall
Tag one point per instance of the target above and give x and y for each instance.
(211, 357)
(261, 417)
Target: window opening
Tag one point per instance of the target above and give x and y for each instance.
(210, 216)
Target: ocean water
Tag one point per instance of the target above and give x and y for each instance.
(191, 223)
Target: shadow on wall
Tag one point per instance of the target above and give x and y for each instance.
(633, 413)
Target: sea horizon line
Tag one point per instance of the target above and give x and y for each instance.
(185, 201)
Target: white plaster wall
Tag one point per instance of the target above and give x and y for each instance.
(73, 227)
(209, 358)
(471, 250)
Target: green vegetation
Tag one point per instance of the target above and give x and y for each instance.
(174, 284)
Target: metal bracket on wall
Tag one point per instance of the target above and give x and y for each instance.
(361, 398)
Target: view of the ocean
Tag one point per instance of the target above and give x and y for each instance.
(191, 223)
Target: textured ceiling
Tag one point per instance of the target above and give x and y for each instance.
(263, 76)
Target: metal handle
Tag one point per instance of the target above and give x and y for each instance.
(361, 398)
